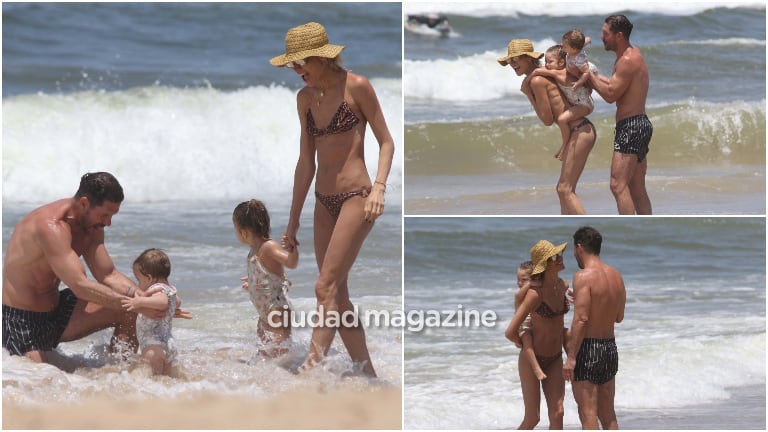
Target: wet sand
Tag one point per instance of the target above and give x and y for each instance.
(376, 409)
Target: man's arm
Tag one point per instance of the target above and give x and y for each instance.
(56, 242)
(581, 306)
(614, 88)
(104, 270)
(622, 300)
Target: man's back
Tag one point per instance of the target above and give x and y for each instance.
(29, 283)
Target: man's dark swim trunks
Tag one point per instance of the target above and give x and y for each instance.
(25, 331)
(597, 361)
(633, 135)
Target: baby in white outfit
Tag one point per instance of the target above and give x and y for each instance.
(156, 342)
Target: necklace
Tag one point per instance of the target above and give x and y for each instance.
(322, 93)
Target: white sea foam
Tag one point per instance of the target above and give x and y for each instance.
(166, 143)
(571, 8)
(452, 390)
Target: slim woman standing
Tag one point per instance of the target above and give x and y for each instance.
(334, 108)
(547, 307)
(548, 102)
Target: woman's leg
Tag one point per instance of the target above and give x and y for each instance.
(574, 161)
(531, 393)
(554, 393)
(336, 248)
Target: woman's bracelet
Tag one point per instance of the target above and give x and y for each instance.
(381, 183)
(128, 292)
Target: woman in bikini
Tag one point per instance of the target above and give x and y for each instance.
(547, 306)
(334, 109)
(549, 104)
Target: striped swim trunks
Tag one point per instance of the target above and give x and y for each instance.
(633, 136)
(597, 361)
(25, 331)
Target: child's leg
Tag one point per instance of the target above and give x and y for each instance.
(531, 355)
(155, 356)
(274, 337)
(575, 112)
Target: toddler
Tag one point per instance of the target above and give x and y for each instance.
(156, 342)
(566, 64)
(266, 282)
(524, 282)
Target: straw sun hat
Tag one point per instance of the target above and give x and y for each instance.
(518, 47)
(541, 252)
(304, 41)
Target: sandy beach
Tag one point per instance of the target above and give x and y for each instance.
(376, 409)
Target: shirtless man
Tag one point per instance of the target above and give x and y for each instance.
(45, 250)
(628, 87)
(593, 360)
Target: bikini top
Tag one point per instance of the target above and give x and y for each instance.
(343, 121)
(546, 312)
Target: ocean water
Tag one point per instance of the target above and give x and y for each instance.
(692, 339)
(178, 100)
(468, 126)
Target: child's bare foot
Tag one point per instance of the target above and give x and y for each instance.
(540, 374)
(559, 154)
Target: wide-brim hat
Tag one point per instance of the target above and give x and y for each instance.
(518, 47)
(541, 252)
(306, 40)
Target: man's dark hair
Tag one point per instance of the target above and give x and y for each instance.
(589, 239)
(619, 23)
(99, 187)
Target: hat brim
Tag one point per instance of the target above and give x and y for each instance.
(505, 60)
(542, 264)
(327, 51)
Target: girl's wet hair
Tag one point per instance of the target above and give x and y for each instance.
(154, 263)
(253, 216)
(526, 265)
(558, 50)
(575, 39)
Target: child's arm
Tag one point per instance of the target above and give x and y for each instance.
(540, 71)
(520, 294)
(582, 79)
(559, 75)
(274, 251)
(157, 301)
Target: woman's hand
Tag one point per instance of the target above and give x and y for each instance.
(288, 240)
(245, 283)
(374, 205)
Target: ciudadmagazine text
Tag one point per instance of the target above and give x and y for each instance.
(412, 320)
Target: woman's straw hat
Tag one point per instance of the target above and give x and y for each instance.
(304, 41)
(518, 47)
(541, 252)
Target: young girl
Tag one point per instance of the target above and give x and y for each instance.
(156, 342)
(525, 282)
(564, 63)
(266, 281)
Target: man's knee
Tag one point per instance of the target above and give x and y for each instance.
(618, 185)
